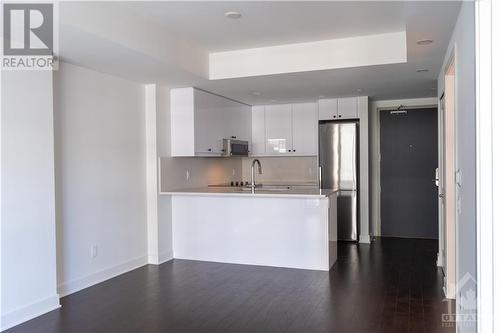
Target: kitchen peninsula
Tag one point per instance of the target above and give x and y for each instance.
(281, 226)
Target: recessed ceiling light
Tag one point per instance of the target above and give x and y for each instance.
(422, 70)
(425, 41)
(359, 90)
(255, 93)
(434, 88)
(321, 96)
(233, 15)
(273, 101)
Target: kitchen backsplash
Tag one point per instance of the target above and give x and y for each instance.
(203, 171)
(283, 169)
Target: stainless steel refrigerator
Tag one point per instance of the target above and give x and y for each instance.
(339, 165)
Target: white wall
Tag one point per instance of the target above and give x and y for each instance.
(462, 44)
(28, 252)
(100, 176)
(165, 250)
(374, 115)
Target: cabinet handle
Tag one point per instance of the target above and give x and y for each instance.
(334, 116)
(340, 115)
(233, 136)
(209, 149)
(294, 150)
(289, 150)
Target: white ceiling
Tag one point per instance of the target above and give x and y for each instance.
(275, 23)
(272, 23)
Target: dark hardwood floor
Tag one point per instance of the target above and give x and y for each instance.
(392, 285)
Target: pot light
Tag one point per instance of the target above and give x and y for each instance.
(321, 96)
(359, 90)
(425, 41)
(256, 93)
(233, 15)
(422, 70)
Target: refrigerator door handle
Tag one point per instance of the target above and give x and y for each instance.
(320, 182)
(354, 168)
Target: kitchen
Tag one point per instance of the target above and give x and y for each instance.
(282, 206)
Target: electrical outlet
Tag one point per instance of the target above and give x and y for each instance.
(187, 175)
(93, 251)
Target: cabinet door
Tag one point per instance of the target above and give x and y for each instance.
(208, 119)
(278, 129)
(258, 146)
(328, 109)
(305, 128)
(241, 125)
(348, 108)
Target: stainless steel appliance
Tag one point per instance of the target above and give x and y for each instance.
(233, 147)
(339, 169)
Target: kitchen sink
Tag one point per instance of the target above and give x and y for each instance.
(261, 188)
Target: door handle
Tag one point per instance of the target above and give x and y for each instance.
(441, 195)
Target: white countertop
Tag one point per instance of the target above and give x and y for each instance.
(270, 191)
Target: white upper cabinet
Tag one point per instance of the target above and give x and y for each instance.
(348, 108)
(305, 128)
(338, 108)
(278, 129)
(258, 144)
(286, 129)
(200, 120)
(328, 109)
(208, 130)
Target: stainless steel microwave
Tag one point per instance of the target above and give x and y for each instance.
(233, 147)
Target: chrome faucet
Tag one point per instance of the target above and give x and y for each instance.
(253, 185)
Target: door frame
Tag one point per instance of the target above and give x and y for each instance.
(440, 262)
(487, 18)
(448, 153)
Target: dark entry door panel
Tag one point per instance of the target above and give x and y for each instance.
(409, 157)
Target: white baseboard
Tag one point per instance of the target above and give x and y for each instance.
(29, 311)
(439, 260)
(365, 239)
(73, 286)
(166, 256)
(153, 259)
(158, 259)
